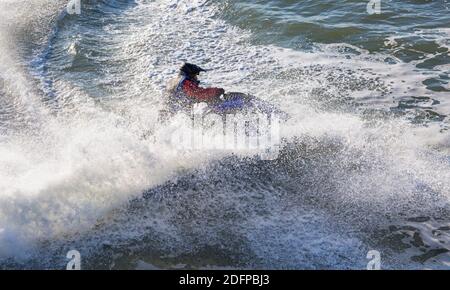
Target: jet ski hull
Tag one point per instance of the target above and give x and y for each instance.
(239, 102)
(233, 103)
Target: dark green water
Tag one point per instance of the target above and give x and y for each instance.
(412, 31)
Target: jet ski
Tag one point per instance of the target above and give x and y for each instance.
(239, 102)
(234, 102)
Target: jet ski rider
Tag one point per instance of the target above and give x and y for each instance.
(187, 91)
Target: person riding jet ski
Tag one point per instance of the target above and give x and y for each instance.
(187, 90)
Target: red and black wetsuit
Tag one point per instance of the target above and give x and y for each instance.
(192, 89)
(189, 91)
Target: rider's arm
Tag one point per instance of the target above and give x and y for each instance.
(201, 94)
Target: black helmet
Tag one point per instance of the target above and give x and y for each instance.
(191, 69)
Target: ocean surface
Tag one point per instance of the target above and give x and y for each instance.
(364, 162)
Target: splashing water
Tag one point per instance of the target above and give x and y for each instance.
(364, 163)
